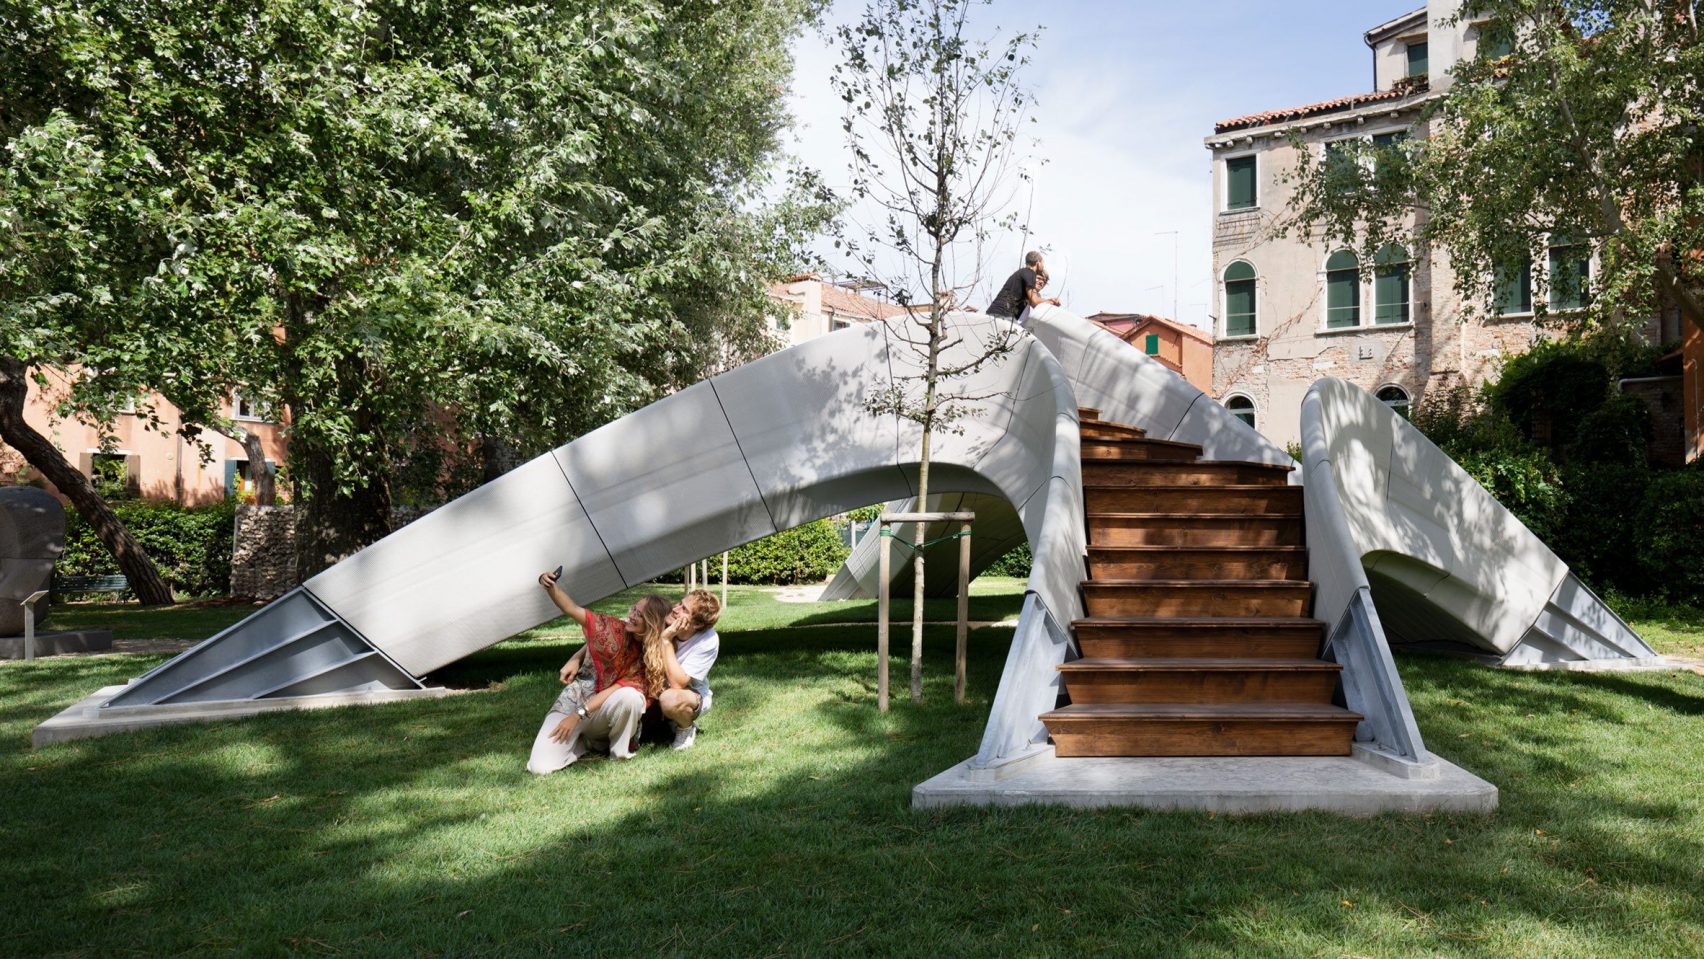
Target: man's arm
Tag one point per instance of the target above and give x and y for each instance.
(1036, 299)
(677, 677)
(562, 600)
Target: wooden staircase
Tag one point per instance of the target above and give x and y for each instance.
(1197, 639)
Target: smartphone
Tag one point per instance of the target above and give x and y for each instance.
(557, 573)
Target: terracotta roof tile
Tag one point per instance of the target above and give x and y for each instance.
(1126, 325)
(1401, 91)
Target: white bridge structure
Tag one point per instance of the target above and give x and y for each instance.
(1402, 544)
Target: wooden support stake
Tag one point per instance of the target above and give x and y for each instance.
(724, 579)
(882, 620)
(963, 612)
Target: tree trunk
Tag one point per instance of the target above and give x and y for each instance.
(265, 489)
(330, 523)
(145, 580)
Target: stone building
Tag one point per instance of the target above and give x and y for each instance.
(1292, 310)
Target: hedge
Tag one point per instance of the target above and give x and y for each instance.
(1014, 563)
(1670, 531)
(805, 554)
(191, 547)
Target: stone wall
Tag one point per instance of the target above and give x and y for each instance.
(263, 551)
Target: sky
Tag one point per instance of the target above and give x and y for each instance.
(1126, 92)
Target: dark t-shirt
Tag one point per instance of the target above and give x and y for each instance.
(1014, 296)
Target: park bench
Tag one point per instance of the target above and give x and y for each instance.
(90, 584)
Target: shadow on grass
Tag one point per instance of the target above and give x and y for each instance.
(410, 829)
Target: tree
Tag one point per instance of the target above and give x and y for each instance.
(1579, 129)
(932, 121)
(411, 227)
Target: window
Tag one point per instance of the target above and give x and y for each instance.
(1239, 183)
(1570, 269)
(1417, 66)
(1495, 41)
(239, 477)
(1390, 285)
(1242, 408)
(1512, 288)
(1396, 398)
(1342, 290)
(1151, 345)
(1239, 300)
(244, 407)
(1342, 175)
(114, 475)
(836, 323)
(1385, 149)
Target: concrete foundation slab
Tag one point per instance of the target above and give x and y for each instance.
(1234, 785)
(86, 718)
(53, 644)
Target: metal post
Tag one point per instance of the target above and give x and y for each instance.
(724, 579)
(29, 623)
(882, 617)
(963, 612)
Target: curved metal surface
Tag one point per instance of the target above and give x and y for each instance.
(1107, 374)
(1442, 558)
(765, 447)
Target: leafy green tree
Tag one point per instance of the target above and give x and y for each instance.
(933, 119)
(1581, 126)
(418, 229)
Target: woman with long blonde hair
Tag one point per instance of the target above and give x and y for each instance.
(607, 684)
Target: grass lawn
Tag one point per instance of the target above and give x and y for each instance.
(411, 829)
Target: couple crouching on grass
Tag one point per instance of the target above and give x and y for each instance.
(651, 667)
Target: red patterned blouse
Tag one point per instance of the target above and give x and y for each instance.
(617, 657)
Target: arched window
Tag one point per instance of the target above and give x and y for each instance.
(1396, 398)
(1240, 317)
(1242, 408)
(1390, 285)
(1342, 290)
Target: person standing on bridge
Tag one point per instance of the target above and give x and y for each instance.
(1022, 291)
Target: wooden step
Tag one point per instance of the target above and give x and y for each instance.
(1213, 500)
(1105, 472)
(1194, 529)
(1095, 430)
(1179, 680)
(1207, 637)
(1143, 449)
(1173, 729)
(1204, 597)
(1198, 562)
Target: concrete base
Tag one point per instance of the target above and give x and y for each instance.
(53, 644)
(86, 718)
(1235, 785)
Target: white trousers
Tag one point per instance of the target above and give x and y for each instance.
(610, 728)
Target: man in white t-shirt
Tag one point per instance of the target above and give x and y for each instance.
(692, 651)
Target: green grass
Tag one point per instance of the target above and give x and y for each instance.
(410, 829)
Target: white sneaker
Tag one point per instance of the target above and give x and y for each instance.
(684, 737)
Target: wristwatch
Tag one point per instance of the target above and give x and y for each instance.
(581, 709)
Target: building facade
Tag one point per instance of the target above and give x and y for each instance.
(1291, 310)
(820, 308)
(154, 463)
(1178, 347)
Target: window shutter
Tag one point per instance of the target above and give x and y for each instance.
(1239, 183)
(1152, 346)
(1417, 66)
(1342, 291)
(231, 477)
